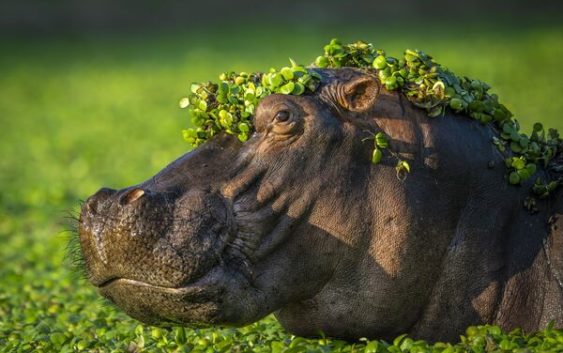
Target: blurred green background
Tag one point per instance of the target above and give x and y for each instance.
(89, 97)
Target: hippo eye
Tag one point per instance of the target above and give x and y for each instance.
(282, 116)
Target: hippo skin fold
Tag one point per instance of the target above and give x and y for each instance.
(298, 222)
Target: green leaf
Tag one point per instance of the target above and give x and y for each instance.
(287, 73)
(391, 83)
(202, 105)
(403, 166)
(299, 89)
(456, 104)
(436, 111)
(184, 102)
(194, 87)
(58, 339)
(531, 167)
(287, 88)
(180, 336)
(381, 140)
(275, 80)
(239, 80)
(376, 156)
(243, 127)
(514, 178)
(524, 174)
(243, 137)
(518, 163)
(515, 147)
(397, 341)
(380, 62)
(322, 62)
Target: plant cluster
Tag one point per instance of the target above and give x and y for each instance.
(381, 143)
(229, 105)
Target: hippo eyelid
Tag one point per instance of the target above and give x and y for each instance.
(284, 107)
(282, 116)
(290, 124)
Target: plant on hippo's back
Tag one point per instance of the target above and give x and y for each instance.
(230, 104)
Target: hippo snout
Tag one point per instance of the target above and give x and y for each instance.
(165, 239)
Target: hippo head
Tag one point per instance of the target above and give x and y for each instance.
(295, 221)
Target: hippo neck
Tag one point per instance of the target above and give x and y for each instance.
(499, 276)
(495, 268)
(532, 294)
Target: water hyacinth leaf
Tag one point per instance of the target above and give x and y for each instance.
(287, 73)
(515, 147)
(518, 163)
(531, 167)
(275, 80)
(243, 127)
(403, 166)
(439, 88)
(391, 83)
(299, 89)
(524, 174)
(287, 88)
(184, 102)
(202, 105)
(381, 140)
(508, 128)
(380, 62)
(194, 87)
(239, 80)
(456, 104)
(514, 178)
(376, 156)
(435, 111)
(243, 137)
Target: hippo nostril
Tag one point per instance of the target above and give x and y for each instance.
(131, 196)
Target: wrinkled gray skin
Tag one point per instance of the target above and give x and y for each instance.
(297, 221)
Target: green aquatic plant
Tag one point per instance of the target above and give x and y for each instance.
(230, 104)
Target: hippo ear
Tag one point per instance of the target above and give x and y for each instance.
(360, 93)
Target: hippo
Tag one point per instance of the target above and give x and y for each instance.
(298, 222)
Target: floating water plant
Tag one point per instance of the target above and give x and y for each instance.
(230, 104)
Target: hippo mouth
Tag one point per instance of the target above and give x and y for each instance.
(193, 304)
(117, 281)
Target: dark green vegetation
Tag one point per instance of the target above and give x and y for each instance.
(78, 114)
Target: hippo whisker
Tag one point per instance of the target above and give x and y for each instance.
(74, 255)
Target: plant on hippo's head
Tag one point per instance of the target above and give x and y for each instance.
(230, 104)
